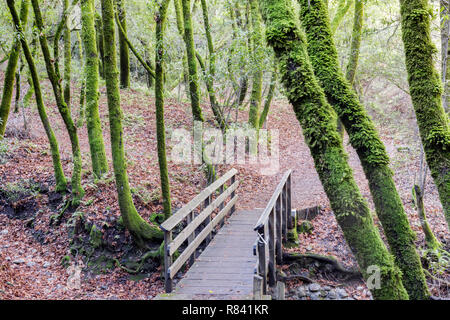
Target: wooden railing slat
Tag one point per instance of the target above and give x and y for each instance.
(199, 239)
(177, 217)
(194, 224)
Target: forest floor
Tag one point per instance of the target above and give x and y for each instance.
(34, 255)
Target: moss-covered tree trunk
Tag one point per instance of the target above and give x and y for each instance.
(77, 189)
(159, 101)
(60, 179)
(138, 227)
(426, 93)
(342, 9)
(100, 44)
(318, 123)
(194, 90)
(123, 47)
(257, 52)
(356, 41)
(212, 70)
(268, 102)
(82, 98)
(10, 72)
(67, 57)
(94, 127)
(365, 139)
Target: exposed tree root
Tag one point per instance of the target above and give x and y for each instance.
(304, 260)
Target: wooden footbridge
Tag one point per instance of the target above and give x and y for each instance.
(228, 254)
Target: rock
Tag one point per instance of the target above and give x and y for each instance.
(46, 264)
(30, 263)
(314, 296)
(19, 261)
(326, 288)
(301, 292)
(342, 293)
(332, 295)
(314, 287)
(323, 293)
(5, 231)
(360, 288)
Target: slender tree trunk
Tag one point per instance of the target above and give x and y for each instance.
(123, 47)
(60, 179)
(273, 84)
(257, 52)
(8, 85)
(445, 34)
(342, 10)
(94, 127)
(77, 189)
(365, 139)
(159, 101)
(138, 227)
(67, 58)
(192, 64)
(426, 94)
(318, 122)
(209, 76)
(356, 41)
(82, 99)
(18, 89)
(100, 44)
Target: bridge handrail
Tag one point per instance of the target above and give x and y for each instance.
(171, 267)
(272, 229)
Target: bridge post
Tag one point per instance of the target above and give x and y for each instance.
(191, 238)
(208, 219)
(285, 213)
(289, 203)
(278, 235)
(233, 208)
(272, 241)
(167, 261)
(262, 261)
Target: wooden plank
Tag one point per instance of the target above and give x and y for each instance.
(278, 231)
(272, 239)
(176, 218)
(265, 215)
(167, 262)
(203, 234)
(191, 227)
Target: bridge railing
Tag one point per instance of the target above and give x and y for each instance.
(272, 228)
(188, 233)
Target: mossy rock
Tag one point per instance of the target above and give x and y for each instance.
(95, 237)
(305, 227)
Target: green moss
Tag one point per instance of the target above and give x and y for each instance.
(138, 227)
(365, 140)
(52, 71)
(10, 72)
(95, 237)
(95, 135)
(192, 64)
(60, 179)
(356, 41)
(426, 92)
(159, 102)
(318, 123)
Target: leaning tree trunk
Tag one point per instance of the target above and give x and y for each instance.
(60, 179)
(341, 11)
(100, 44)
(426, 93)
(257, 52)
(123, 47)
(94, 127)
(67, 57)
(318, 122)
(356, 41)
(52, 71)
(138, 227)
(192, 64)
(159, 101)
(8, 85)
(445, 34)
(365, 139)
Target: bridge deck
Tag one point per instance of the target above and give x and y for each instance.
(224, 270)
